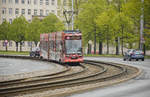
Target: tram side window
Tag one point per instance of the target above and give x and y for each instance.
(57, 44)
(52, 45)
(44, 45)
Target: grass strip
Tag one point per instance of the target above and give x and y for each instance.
(14, 53)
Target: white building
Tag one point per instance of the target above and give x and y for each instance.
(10, 9)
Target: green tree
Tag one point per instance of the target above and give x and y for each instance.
(86, 19)
(5, 33)
(123, 25)
(147, 23)
(105, 25)
(51, 24)
(18, 30)
(130, 7)
(34, 30)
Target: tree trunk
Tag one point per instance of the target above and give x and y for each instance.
(107, 46)
(95, 42)
(117, 46)
(20, 46)
(144, 48)
(100, 47)
(130, 46)
(6, 47)
(89, 48)
(122, 47)
(122, 40)
(16, 46)
(107, 39)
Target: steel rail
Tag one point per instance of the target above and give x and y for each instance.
(67, 82)
(44, 77)
(62, 83)
(104, 69)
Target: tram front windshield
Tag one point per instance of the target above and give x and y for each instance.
(73, 46)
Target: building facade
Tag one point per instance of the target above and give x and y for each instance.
(10, 9)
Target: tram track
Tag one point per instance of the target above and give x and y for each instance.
(101, 72)
(46, 82)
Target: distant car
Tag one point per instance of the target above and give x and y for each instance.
(35, 52)
(133, 54)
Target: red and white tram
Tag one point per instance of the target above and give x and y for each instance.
(64, 47)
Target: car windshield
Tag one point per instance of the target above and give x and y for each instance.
(73, 46)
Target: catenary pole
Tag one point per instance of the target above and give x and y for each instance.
(142, 26)
(72, 14)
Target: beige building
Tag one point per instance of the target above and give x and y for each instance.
(10, 9)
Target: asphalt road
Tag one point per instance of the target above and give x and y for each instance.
(137, 87)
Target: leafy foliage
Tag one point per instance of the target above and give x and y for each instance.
(51, 24)
(18, 29)
(4, 31)
(86, 19)
(34, 30)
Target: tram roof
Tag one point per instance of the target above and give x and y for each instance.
(72, 31)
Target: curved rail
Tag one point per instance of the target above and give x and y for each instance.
(67, 82)
(44, 77)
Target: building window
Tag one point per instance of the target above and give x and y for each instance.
(23, 11)
(17, 11)
(41, 2)
(41, 12)
(22, 1)
(10, 11)
(35, 2)
(29, 11)
(47, 12)
(3, 1)
(35, 11)
(47, 2)
(29, 1)
(16, 1)
(3, 10)
(53, 2)
(10, 1)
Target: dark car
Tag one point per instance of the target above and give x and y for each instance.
(35, 52)
(133, 54)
